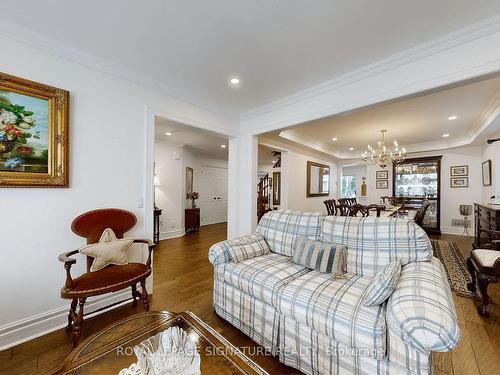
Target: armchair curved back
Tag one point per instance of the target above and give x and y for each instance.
(91, 224)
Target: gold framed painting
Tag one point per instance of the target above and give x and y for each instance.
(34, 124)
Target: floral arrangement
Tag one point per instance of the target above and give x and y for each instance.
(193, 196)
(16, 127)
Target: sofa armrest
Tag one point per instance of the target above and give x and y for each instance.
(238, 249)
(421, 310)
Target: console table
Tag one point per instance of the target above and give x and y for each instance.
(156, 224)
(486, 216)
(192, 219)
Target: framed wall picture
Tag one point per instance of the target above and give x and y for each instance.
(276, 188)
(382, 175)
(459, 170)
(189, 180)
(382, 184)
(34, 122)
(459, 182)
(486, 172)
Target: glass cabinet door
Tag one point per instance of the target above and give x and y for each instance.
(418, 180)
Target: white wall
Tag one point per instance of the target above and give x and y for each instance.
(171, 161)
(107, 169)
(492, 152)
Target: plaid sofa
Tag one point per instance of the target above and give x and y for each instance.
(318, 324)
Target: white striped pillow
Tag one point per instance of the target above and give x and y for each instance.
(383, 284)
(314, 254)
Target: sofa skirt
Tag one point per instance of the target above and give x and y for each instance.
(301, 347)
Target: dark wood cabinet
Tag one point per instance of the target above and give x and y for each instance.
(485, 217)
(419, 179)
(192, 219)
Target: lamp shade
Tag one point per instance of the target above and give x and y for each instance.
(157, 181)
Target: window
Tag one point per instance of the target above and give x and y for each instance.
(348, 187)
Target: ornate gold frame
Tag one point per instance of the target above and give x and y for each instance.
(58, 171)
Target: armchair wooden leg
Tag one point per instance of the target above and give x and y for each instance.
(78, 323)
(472, 270)
(71, 315)
(144, 295)
(483, 281)
(134, 294)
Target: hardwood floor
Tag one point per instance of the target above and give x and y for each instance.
(183, 281)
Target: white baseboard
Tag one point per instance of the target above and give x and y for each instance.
(172, 234)
(38, 325)
(457, 231)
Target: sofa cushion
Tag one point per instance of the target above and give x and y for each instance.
(372, 243)
(335, 307)
(312, 254)
(262, 276)
(383, 284)
(246, 247)
(280, 228)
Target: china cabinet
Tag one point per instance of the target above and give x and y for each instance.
(419, 179)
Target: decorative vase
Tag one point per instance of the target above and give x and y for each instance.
(193, 203)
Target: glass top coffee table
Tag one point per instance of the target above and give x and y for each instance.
(111, 350)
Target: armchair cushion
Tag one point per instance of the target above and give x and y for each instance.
(109, 250)
(421, 311)
(238, 249)
(105, 280)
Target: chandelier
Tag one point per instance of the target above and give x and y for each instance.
(383, 154)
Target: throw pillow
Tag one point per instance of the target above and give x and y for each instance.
(246, 247)
(317, 255)
(383, 284)
(109, 250)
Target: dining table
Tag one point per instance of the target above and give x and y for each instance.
(393, 211)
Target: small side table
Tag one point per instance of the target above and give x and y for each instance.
(192, 219)
(156, 224)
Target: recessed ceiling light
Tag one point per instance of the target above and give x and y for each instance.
(335, 139)
(235, 81)
(452, 118)
(445, 135)
(168, 133)
(222, 146)
(274, 161)
(351, 148)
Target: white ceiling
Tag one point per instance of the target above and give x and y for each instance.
(201, 141)
(416, 123)
(277, 47)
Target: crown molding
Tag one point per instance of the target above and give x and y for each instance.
(45, 44)
(453, 39)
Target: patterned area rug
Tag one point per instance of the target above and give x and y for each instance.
(456, 269)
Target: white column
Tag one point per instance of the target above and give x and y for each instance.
(242, 193)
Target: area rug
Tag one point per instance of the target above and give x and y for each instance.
(456, 269)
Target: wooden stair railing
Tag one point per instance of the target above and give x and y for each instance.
(264, 196)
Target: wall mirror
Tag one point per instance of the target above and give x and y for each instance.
(318, 179)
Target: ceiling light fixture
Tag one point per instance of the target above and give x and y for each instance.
(222, 146)
(335, 139)
(351, 148)
(452, 117)
(445, 135)
(274, 161)
(384, 154)
(234, 82)
(168, 133)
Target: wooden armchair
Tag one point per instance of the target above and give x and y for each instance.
(485, 263)
(112, 278)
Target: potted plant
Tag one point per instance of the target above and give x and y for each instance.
(193, 196)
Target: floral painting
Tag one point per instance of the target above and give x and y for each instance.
(24, 143)
(34, 123)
